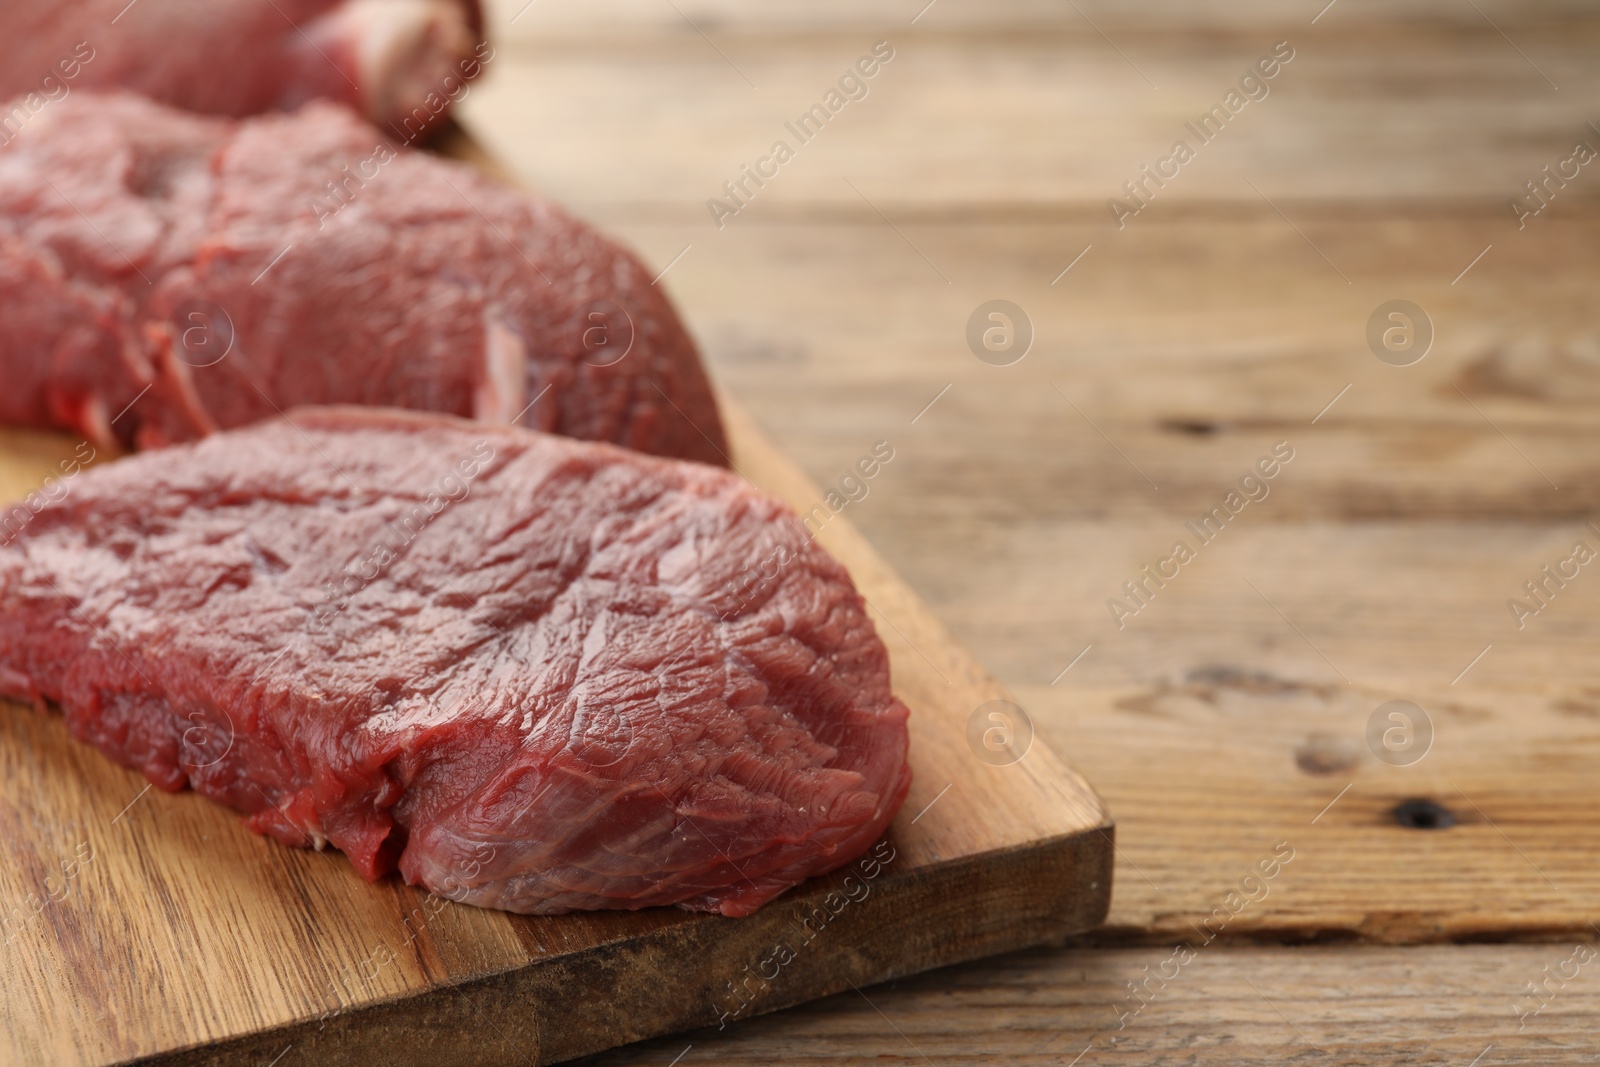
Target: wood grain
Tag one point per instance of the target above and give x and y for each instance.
(1252, 1007)
(1024, 109)
(262, 950)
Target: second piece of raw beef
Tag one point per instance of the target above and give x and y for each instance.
(164, 275)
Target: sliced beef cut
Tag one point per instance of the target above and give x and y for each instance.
(164, 275)
(400, 62)
(500, 660)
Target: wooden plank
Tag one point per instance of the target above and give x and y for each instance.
(1221, 1008)
(1384, 605)
(262, 950)
(598, 21)
(1240, 329)
(1207, 773)
(1237, 335)
(1027, 109)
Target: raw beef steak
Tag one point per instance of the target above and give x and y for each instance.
(164, 275)
(497, 659)
(401, 62)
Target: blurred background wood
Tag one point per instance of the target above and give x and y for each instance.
(1224, 317)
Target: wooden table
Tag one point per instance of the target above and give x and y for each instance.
(1226, 722)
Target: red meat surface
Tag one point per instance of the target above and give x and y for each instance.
(164, 275)
(499, 660)
(400, 62)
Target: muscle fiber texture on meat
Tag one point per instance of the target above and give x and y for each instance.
(499, 661)
(165, 275)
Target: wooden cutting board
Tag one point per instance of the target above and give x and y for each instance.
(143, 927)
